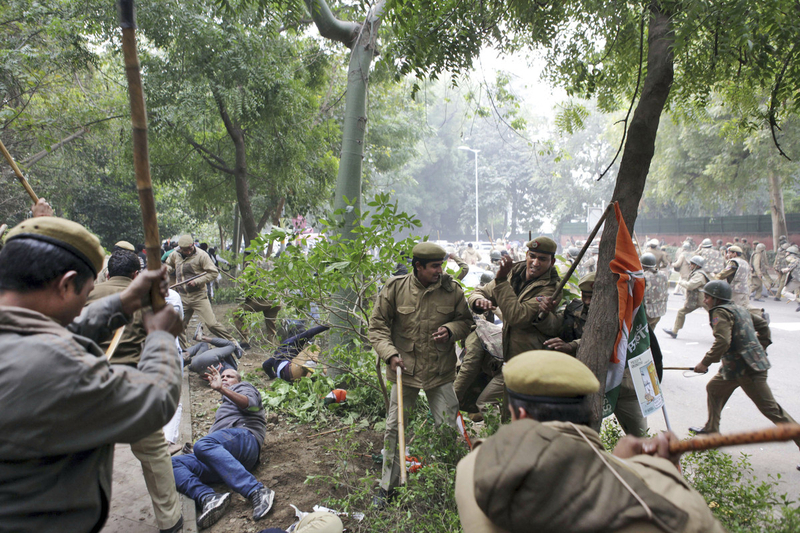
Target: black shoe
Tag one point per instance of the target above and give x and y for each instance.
(798, 467)
(777, 299)
(174, 529)
(245, 346)
(262, 502)
(670, 333)
(700, 430)
(758, 299)
(214, 507)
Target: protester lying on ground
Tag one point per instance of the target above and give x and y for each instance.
(211, 352)
(318, 522)
(549, 460)
(228, 453)
(282, 364)
(64, 406)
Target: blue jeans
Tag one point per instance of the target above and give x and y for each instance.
(225, 456)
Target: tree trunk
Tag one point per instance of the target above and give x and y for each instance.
(603, 321)
(776, 207)
(361, 39)
(237, 237)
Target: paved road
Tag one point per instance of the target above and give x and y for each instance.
(686, 397)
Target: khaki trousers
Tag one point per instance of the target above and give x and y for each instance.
(628, 411)
(756, 286)
(680, 319)
(320, 522)
(153, 453)
(653, 322)
(754, 384)
(444, 406)
(198, 302)
(251, 305)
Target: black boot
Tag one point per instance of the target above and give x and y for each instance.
(262, 502)
(214, 507)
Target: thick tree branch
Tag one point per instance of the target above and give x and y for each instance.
(329, 26)
(208, 156)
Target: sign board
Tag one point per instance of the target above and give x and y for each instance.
(645, 381)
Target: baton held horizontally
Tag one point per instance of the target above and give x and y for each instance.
(780, 432)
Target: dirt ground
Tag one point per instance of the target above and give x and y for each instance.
(290, 454)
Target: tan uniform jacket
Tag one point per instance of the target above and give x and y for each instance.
(682, 265)
(404, 319)
(64, 407)
(186, 268)
(472, 256)
(662, 258)
(130, 345)
(546, 477)
(522, 329)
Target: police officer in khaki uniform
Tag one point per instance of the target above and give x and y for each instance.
(737, 274)
(153, 450)
(780, 263)
(58, 438)
(697, 280)
(483, 354)
(792, 271)
(414, 325)
(520, 290)
(548, 471)
(188, 262)
(740, 342)
(662, 258)
(758, 272)
(713, 260)
(682, 266)
(471, 255)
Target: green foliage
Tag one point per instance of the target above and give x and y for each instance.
(737, 498)
(335, 264)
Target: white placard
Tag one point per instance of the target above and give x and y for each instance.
(645, 381)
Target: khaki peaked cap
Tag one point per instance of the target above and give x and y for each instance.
(542, 244)
(586, 283)
(125, 245)
(547, 376)
(185, 241)
(736, 249)
(65, 234)
(428, 251)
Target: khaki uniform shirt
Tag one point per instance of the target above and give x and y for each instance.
(186, 268)
(64, 407)
(130, 345)
(682, 265)
(697, 280)
(740, 340)
(737, 274)
(662, 257)
(404, 319)
(522, 329)
(472, 256)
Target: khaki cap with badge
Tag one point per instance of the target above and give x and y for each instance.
(125, 245)
(542, 244)
(548, 377)
(65, 234)
(428, 251)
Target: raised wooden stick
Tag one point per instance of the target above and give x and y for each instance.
(18, 172)
(401, 426)
(187, 280)
(576, 262)
(678, 368)
(780, 432)
(114, 343)
(141, 157)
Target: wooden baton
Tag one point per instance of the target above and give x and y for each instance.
(678, 368)
(187, 280)
(141, 157)
(114, 342)
(780, 432)
(18, 172)
(576, 262)
(401, 426)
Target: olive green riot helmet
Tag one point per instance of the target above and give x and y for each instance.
(718, 289)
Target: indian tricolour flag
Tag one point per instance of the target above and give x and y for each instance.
(633, 338)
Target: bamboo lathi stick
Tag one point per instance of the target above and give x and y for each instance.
(780, 432)
(401, 429)
(141, 157)
(114, 343)
(18, 172)
(576, 262)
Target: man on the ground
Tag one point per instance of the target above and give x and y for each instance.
(228, 453)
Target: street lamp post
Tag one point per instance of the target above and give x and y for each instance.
(476, 189)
